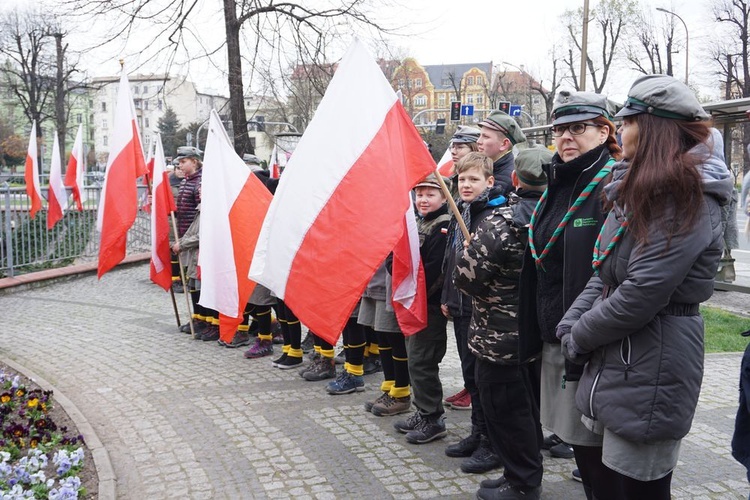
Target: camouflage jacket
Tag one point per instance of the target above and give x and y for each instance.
(489, 271)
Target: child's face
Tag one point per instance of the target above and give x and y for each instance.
(472, 182)
(428, 199)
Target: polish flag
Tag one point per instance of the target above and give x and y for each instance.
(275, 170)
(338, 211)
(57, 196)
(445, 165)
(31, 173)
(233, 205)
(144, 202)
(76, 170)
(119, 199)
(409, 288)
(162, 204)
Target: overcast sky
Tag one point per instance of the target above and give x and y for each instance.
(518, 32)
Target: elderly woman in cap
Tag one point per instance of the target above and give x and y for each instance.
(557, 266)
(637, 325)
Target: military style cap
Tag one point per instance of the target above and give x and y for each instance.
(528, 165)
(570, 107)
(465, 135)
(663, 96)
(502, 122)
(429, 181)
(188, 152)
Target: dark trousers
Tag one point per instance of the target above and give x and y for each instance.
(468, 370)
(425, 350)
(511, 417)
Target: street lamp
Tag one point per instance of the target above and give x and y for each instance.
(687, 38)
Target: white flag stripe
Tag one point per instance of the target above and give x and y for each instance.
(349, 84)
(55, 176)
(157, 201)
(407, 289)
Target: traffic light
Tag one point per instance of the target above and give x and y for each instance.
(440, 126)
(504, 106)
(455, 111)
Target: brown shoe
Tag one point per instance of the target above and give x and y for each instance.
(391, 406)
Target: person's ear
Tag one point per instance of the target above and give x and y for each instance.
(491, 180)
(514, 179)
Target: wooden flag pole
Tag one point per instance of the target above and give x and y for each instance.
(452, 204)
(182, 276)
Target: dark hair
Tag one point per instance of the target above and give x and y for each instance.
(614, 149)
(663, 173)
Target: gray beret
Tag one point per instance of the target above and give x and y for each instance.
(663, 96)
(465, 135)
(528, 165)
(502, 122)
(570, 107)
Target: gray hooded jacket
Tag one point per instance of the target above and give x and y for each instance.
(639, 320)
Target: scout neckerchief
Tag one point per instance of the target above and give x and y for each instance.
(564, 222)
(599, 258)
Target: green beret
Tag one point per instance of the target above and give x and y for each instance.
(502, 122)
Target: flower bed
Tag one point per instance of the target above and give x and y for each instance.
(41, 453)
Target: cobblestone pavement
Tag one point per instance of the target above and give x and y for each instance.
(189, 419)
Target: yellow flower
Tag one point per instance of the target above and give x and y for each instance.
(33, 402)
(5, 398)
(20, 393)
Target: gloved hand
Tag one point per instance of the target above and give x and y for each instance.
(570, 349)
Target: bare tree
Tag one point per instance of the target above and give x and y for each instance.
(291, 27)
(609, 18)
(652, 44)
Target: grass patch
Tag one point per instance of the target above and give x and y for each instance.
(723, 330)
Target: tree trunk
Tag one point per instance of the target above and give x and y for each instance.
(242, 143)
(60, 94)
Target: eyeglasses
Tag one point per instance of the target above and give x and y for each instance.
(573, 128)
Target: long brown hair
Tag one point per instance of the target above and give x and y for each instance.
(663, 173)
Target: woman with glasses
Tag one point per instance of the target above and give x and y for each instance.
(637, 326)
(557, 266)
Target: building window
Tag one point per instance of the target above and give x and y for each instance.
(79, 118)
(145, 89)
(105, 140)
(91, 134)
(480, 99)
(104, 107)
(470, 80)
(441, 100)
(469, 98)
(147, 123)
(104, 124)
(145, 104)
(400, 83)
(418, 83)
(446, 82)
(159, 104)
(420, 100)
(480, 80)
(91, 103)
(135, 89)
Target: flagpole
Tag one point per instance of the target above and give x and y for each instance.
(452, 204)
(182, 277)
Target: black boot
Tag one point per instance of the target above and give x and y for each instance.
(482, 460)
(465, 447)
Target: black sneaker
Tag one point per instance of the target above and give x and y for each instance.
(185, 328)
(288, 363)
(550, 441)
(280, 359)
(577, 475)
(428, 429)
(465, 447)
(562, 450)
(493, 483)
(508, 492)
(409, 424)
(307, 343)
(211, 335)
(240, 339)
(482, 460)
(324, 369)
(371, 365)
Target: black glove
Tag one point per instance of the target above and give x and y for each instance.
(571, 351)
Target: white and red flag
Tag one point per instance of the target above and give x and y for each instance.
(275, 170)
(76, 170)
(31, 173)
(445, 165)
(233, 205)
(57, 196)
(338, 210)
(118, 205)
(162, 204)
(409, 288)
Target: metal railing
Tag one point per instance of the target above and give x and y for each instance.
(26, 245)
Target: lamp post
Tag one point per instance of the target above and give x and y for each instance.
(687, 38)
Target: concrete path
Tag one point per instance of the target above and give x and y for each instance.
(187, 419)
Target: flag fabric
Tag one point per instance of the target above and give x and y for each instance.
(445, 165)
(409, 288)
(275, 170)
(31, 173)
(76, 170)
(338, 209)
(162, 204)
(145, 202)
(57, 196)
(233, 205)
(118, 205)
